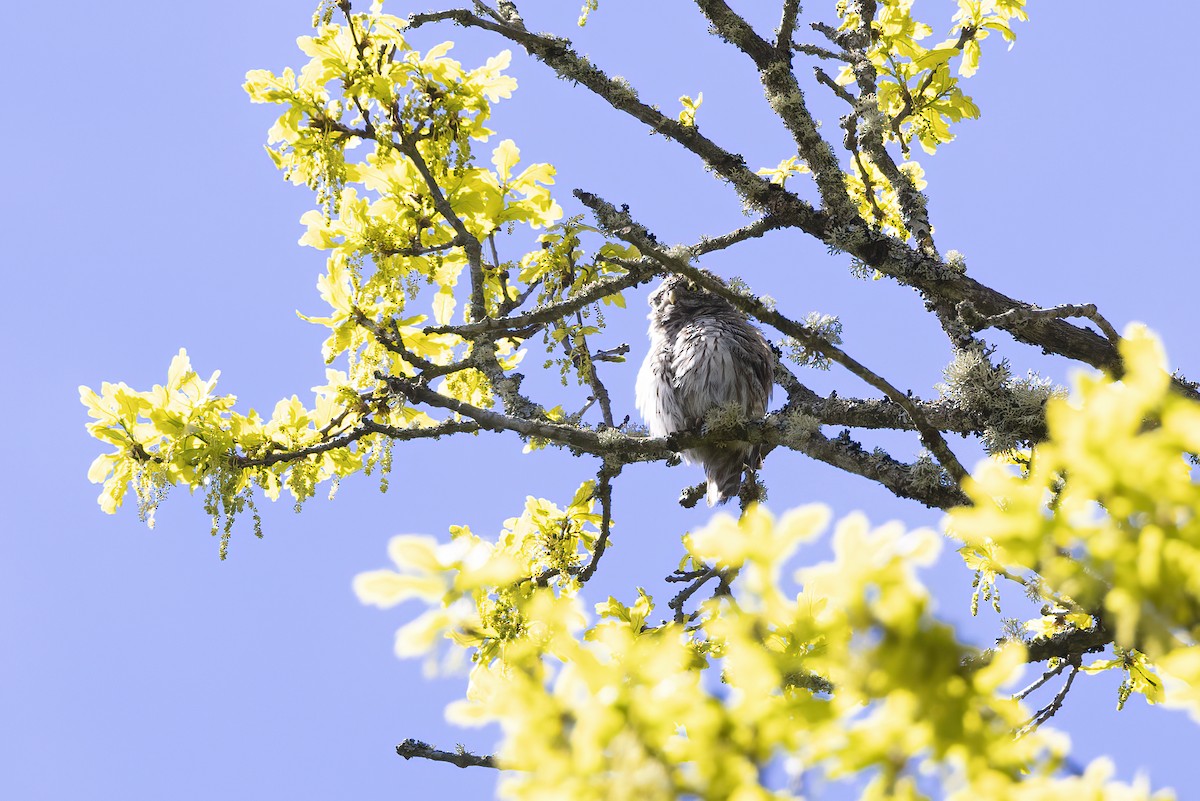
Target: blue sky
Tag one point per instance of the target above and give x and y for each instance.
(141, 215)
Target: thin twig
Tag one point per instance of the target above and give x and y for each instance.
(418, 250)
(395, 344)
(757, 228)
(850, 141)
(965, 34)
(698, 579)
(599, 391)
(509, 306)
(367, 427)
(823, 78)
(465, 238)
(1048, 711)
(604, 494)
(531, 321)
(616, 354)
(1049, 674)
(821, 52)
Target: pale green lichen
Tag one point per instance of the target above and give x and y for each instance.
(798, 428)
(927, 476)
(826, 328)
(724, 418)
(1011, 411)
(956, 262)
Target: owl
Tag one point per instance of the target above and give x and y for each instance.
(703, 354)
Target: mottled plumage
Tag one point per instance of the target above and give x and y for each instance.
(703, 354)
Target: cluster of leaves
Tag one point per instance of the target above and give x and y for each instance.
(852, 676)
(688, 115)
(489, 598)
(916, 91)
(1107, 513)
(906, 92)
(403, 224)
(875, 196)
(183, 433)
(560, 269)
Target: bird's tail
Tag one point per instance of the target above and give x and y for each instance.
(724, 467)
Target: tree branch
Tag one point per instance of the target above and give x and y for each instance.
(1068, 645)
(697, 579)
(821, 52)
(639, 273)
(556, 53)
(462, 758)
(622, 225)
(941, 286)
(787, 27)
(619, 448)
(1021, 315)
(604, 493)
(913, 210)
(395, 344)
(755, 229)
(368, 427)
(470, 245)
(787, 101)
(1038, 683)
(1048, 711)
(965, 34)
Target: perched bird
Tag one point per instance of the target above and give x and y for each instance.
(703, 354)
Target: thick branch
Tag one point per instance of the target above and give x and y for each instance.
(876, 413)
(1069, 645)
(774, 431)
(898, 478)
(787, 101)
(787, 26)
(1088, 311)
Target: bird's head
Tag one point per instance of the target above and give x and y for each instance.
(678, 299)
